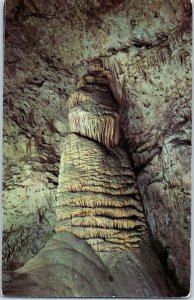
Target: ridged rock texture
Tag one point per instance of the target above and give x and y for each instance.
(141, 52)
(98, 199)
(94, 114)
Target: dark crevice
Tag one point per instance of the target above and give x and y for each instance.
(89, 87)
(104, 148)
(111, 207)
(171, 278)
(178, 142)
(131, 218)
(139, 168)
(162, 253)
(97, 227)
(139, 44)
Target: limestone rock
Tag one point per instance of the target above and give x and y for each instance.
(156, 121)
(97, 195)
(65, 267)
(143, 50)
(69, 267)
(94, 114)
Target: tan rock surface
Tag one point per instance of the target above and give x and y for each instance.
(98, 197)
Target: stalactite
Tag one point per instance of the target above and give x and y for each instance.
(104, 129)
(93, 113)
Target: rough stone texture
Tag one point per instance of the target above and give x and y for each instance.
(98, 197)
(68, 267)
(93, 113)
(35, 121)
(156, 118)
(145, 49)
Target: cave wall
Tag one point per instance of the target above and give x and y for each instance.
(145, 48)
(156, 121)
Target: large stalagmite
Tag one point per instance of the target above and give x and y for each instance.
(98, 199)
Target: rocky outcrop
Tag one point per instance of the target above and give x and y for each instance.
(64, 268)
(142, 51)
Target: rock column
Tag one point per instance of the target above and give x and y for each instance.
(98, 199)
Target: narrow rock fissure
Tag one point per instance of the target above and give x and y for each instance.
(170, 276)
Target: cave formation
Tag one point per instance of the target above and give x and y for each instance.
(98, 198)
(97, 148)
